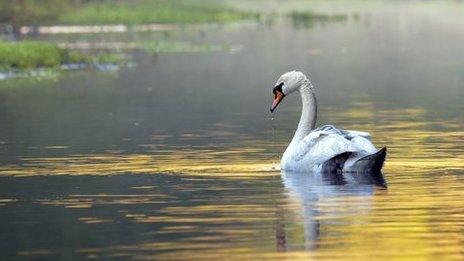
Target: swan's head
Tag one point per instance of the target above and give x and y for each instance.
(286, 84)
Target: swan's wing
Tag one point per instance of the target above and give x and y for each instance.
(350, 134)
(307, 143)
(313, 138)
(361, 141)
(328, 141)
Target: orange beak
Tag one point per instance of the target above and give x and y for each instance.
(278, 96)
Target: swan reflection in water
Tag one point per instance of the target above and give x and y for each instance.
(323, 201)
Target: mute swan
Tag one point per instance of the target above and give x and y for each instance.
(327, 148)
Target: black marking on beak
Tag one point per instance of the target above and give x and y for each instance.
(278, 88)
(278, 96)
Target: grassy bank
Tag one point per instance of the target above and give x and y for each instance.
(159, 11)
(33, 54)
(46, 12)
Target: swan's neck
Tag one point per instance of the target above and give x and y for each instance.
(308, 114)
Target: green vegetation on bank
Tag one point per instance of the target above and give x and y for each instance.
(33, 54)
(42, 12)
(158, 11)
(28, 55)
(17, 13)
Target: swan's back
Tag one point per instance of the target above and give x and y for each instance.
(324, 143)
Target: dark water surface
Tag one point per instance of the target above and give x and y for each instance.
(177, 157)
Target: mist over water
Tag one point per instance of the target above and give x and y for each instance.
(176, 156)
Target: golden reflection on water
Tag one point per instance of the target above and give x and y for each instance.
(414, 143)
(420, 216)
(184, 161)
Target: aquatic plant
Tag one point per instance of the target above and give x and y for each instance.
(34, 54)
(308, 19)
(30, 54)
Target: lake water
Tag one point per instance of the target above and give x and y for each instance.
(176, 157)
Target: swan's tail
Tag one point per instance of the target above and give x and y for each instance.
(366, 170)
(373, 162)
